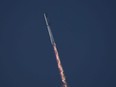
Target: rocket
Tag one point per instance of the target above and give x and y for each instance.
(56, 54)
(49, 31)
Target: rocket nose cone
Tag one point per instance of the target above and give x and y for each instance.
(44, 14)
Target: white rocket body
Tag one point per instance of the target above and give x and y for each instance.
(49, 31)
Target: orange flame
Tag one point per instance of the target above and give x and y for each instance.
(60, 66)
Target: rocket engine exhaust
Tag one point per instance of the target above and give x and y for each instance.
(63, 78)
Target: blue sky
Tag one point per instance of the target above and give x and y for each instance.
(84, 32)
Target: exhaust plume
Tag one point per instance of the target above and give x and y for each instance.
(63, 78)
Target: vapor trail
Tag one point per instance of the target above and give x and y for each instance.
(56, 54)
